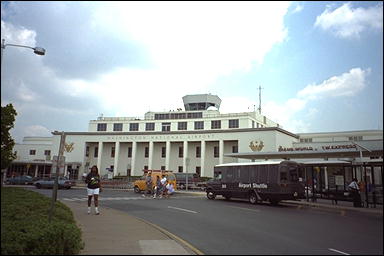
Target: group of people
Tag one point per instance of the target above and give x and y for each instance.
(161, 187)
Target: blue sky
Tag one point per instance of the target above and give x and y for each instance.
(320, 64)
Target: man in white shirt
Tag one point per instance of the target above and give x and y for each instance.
(163, 182)
(170, 189)
(354, 189)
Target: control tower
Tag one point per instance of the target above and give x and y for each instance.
(201, 101)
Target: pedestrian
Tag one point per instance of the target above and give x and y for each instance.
(354, 189)
(157, 187)
(169, 189)
(93, 182)
(163, 184)
(148, 183)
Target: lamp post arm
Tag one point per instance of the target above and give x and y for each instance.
(17, 45)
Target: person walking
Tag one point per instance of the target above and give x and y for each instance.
(157, 187)
(163, 184)
(148, 183)
(93, 182)
(354, 188)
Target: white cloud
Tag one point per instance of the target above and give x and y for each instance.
(189, 45)
(347, 84)
(349, 22)
(17, 35)
(298, 9)
(37, 130)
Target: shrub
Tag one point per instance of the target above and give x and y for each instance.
(25, 228)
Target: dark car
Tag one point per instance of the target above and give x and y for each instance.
(193, 179)
(49, 183)
(20, 180)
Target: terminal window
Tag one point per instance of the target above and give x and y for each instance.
(101, 127)
(182, 126)
(233, 123)
(216, 124)
(118, 127)
(150, 126)
(199, 125)
(165, 127)
(134, 127)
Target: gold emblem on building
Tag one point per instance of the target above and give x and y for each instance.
(256, 146)
(69, 147)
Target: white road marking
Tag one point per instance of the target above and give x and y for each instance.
(73, 199)
(344, 253)
(181, 209)
(254, 210)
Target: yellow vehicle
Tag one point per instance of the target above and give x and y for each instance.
(140, 185)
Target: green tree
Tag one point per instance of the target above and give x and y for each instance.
(8, 114)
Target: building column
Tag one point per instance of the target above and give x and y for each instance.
(167, 154)
(150, 156)
(326, 177)
(116, 162)
(36, 170)
(99, 156)
(202, 158)
(186, 160)
(221, 151)
(133, 159)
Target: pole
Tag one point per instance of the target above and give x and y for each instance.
(186, 173)
(55, 186)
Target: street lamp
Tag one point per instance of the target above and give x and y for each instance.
(36, 50)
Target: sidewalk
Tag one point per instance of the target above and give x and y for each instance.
(114, 232)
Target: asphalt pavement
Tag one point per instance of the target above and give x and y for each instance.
(115, 232)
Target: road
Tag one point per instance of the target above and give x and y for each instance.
(237, 227)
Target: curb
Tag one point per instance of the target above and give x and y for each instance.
(342, 209)
(172, 236)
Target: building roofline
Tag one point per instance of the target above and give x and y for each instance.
(339, 132)
(235, 130)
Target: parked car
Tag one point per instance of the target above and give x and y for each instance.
(193, 179)
(49, 183)
(20, 180)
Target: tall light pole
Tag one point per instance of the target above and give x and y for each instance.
(36, 50)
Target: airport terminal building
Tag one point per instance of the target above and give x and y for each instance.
(191, 140)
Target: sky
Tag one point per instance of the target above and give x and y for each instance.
(319, 64)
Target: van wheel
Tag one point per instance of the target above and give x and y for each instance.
(136, 189)
(253, 198)
(38, 185)
(274, 201)
(211, 195)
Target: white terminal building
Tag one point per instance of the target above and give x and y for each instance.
(193, 140)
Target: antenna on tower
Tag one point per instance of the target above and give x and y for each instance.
(260, 99)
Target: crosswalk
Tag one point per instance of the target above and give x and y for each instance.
(82, 199)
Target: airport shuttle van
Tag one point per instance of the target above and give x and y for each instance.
(271, 181)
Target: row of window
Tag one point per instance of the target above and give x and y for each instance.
(354, 138)
(32, 152)
(306, 140)
(163, 151)
(166, 127)
(180, 169)
(193, 115)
